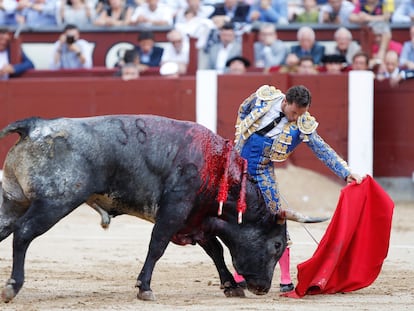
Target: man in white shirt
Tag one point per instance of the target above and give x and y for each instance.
(177, 50)
(152, 13)
(227, 48)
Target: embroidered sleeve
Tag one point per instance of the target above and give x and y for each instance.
(328, 156)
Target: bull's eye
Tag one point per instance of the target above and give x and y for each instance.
(278, 245)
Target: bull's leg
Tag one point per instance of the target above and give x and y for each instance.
(160, 237)
(39, 218)
(214, 249)
(170, 219)
(9, 213)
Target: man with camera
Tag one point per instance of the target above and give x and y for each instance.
(71, 52)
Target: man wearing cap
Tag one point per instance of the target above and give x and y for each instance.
(11, 65)
(270, 125)
(237, 65)
(334, 63)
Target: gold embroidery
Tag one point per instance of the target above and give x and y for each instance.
(307, 124)
(267, 93)
(281, 148)
(286, 139)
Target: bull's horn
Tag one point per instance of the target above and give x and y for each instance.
(298, 217)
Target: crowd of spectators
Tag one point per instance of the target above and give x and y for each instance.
(37, 13)
(218, 26)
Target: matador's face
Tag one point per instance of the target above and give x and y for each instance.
(292, 111)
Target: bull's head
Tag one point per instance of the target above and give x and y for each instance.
(257, 243)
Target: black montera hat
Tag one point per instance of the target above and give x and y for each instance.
(334, 58)
(245, 61)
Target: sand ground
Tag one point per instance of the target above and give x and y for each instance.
(79, 266)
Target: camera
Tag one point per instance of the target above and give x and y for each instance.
(70, 39)
(332, 16)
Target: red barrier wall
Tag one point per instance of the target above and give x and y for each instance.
(394, 129)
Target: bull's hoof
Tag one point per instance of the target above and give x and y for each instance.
(233, 291)
(146, 295)
(8, 292)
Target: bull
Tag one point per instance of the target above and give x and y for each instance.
(169, 172)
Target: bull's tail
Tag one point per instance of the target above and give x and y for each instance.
(22, 127)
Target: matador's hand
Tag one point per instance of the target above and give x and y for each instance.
(354, 177)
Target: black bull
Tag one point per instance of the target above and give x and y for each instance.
(166, 171)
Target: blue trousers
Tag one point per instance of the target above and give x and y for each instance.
(257, 152)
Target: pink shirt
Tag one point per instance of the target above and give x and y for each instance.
(393, 46)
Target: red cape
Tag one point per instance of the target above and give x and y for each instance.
(351, 253)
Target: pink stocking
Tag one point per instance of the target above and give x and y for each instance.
(284, 263)
(237, 277)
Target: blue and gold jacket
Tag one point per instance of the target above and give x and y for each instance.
(293, 133)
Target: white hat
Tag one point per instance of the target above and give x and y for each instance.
(169, 68)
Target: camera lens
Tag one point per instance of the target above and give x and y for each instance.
(70, 39)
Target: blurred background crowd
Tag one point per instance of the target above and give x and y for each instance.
(217, 28)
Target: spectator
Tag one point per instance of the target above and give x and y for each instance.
(404, 74)
(344, 45)
(194, 21)
(117, 14)
(152, 13)
(70, 51)
(177, 50)
(175, 5)
(290, 66)
(390, 68)
(129, 57)
(360, 61)
(129, 71)
(149, 54)
(407, 52)
(227, 48)
(382, 43)
(308, 45)
(281, 8)
(306, 66)
(237, 65)
(11, 65)
(269, 51)
(310, 13)
(334, 63)
(264, 11)
(336, 12)
(372, 11)
(404, 12)
(101, 5)
(37, 13)
(230, 11)
(194, 9)
(8, 12)
(76, 12)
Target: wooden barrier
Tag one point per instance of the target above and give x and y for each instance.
(89, 96)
